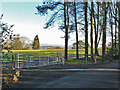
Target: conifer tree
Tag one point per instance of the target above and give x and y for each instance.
(36, 44)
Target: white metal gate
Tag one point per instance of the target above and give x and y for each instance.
(38, 59)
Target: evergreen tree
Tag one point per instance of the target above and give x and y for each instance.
(36, 44)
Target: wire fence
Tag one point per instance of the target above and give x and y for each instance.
(28, 60)
(32, 60)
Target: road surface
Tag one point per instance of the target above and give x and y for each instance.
(97, 76)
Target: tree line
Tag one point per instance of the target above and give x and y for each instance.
(102, 18)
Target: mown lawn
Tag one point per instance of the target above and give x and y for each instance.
(70, 51)
(43, 53)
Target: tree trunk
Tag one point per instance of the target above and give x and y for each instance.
(86, 32)
(112, 36)
(91, 38)
(115, 31)
(75, 16)
(104, 32)
(66, 31)
(119, 28)
(111, 26)
(96, 32)
(1, 41)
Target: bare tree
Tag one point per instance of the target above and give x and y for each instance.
(91, 34)
(5, 32)
(75, 16)
(86, 31)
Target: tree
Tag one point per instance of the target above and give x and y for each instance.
(119, 27)
(27, 43)
(17, 44)
(5, 33)
(81, 45)
(86, 31)
(75, 16)
(66, 28)
(111, 25)
(43, 10)
(117, 18)
(96, 30)
(36, 44)
(116, 10)
(91, 38)
(104, 30)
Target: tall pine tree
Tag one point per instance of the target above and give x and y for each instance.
(36, 44)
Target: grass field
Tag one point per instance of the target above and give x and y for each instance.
(70, 51)
(44, 53)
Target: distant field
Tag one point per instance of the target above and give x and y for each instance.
(44, 53)
(70, 51)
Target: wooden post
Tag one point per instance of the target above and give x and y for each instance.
(39, 60)
(86, 55)
(56, 57)
(18, 61)
(63, 59)
(28, 61)
(48, 59)
(95, 58)
(13, 62)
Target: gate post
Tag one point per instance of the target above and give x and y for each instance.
(48, 60)
(63, 59)
(39, 60)
(56, 57)
(95, 58)
(28, 61)
(18, 61)
(86, 55)
(15, 61)
(12, 62)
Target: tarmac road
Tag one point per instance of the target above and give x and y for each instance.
(98, 76)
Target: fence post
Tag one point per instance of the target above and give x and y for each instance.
(39, 60)
(15, 61)
(48, 60)
(1, 70)
(28, 61)
(59, 57)
(86, 57)
(12, 62)
(95, 58)
(18, 61)
(63, 59)
(56, 57)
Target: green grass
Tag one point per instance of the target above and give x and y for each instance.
(43, 53)
(84, 62)
(78, 62)
(70, 51)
